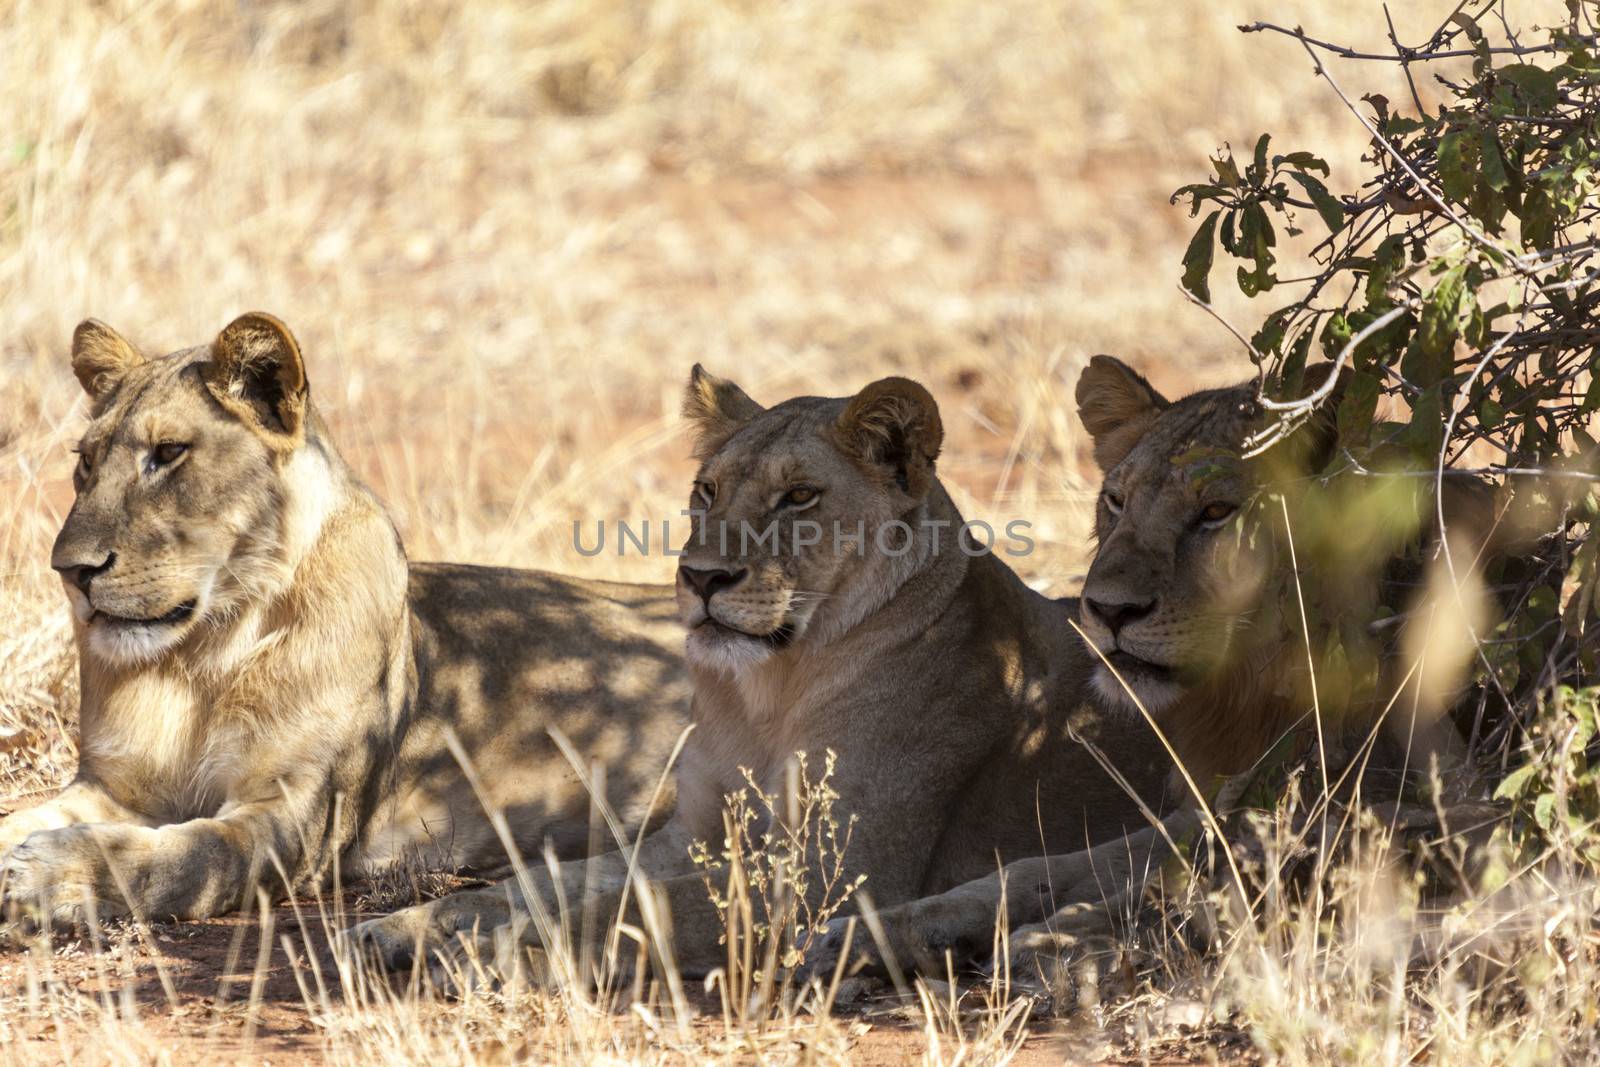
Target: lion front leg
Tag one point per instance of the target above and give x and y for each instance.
(680, 927)
(513, 954)
(82, 801)
(189, 870)
(962, 922)
(401, 938)
(66, 872)
(1072, 953)
(914, 936)
(28, 839)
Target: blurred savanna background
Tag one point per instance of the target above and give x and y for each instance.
(504, 232)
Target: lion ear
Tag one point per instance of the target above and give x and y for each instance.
(256, 372)
(100, 357)
(1117, 406)
(717, 408)
(893, 424)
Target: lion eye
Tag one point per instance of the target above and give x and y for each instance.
(707, 492)
(799, 496)
(83, 463)
(1113, 502)
(1217, 512)
(166, 453)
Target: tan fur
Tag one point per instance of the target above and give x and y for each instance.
(953, 695)
(267, 684)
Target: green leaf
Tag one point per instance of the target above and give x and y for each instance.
(1456, 175)
(1294, 365)
(1256, 239)
(1469, 24)
(1336, 334)
(1258, 168)
(1575, 614)
(1512, 785)
(1197, 259)
(1267, 339)
(1197, 195)
(1306, 161)
(1583, 710)
(1538, 220)
(1328, 207)
(1474, 324)
(1360, 403)
(1544, 810)
(1425, 434)
(1541, 606)
(1441, 315)
(1253, 283)
(1591, 396)
(1494, 165)
(1490, 413)
(1227, 170)
(1488, 207)
(1536, 87)
(1389, 257)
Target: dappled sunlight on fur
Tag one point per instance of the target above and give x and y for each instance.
(301, 713)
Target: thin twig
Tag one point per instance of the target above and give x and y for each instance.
(1297, 411)
(1255, 357)
(1404, 55)
(1344, 52)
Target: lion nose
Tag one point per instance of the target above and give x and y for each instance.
(80, 573)
(1116, 616)
(706, 581)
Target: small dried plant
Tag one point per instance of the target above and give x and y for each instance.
(410, 879)
(777, 880)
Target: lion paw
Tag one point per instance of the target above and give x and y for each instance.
(504, 959)
(1072, 968)
(826, 946)
(398, 940)
(1071, 956)
(59, 876)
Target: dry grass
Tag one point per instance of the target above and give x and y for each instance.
(504, 232)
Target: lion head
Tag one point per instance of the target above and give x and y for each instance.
(182, 512)
(1259, 586)
(1175, 582)
(805, 517)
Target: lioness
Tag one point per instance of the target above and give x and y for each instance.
(268, 688)
(1179, 607)
(834, 601)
